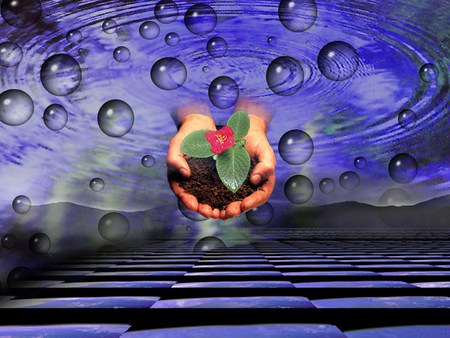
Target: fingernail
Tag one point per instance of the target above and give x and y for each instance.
(256, 179)
(184, 172)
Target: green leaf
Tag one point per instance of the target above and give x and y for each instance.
(240, 123)
(233, 166)
(196, 145)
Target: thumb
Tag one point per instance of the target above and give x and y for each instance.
(176, 160)
(261, 172)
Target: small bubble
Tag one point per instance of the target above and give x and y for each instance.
(21, 204)
(39, 244)
(172, 39)
(97, 184)
(407, 118)
(200, 19)
(298, 189)
(271, 40)
(166, 11)
(115, 118)
(261, 215)
(168, 73)
(109, 26)
(55, 117)
(209, 243)
(18, 275)
(114, 227)
(188, 228)
(16, 107)
(195, 216)
(205, 69)
(148, 161)
(284, 76)
(9, 241)
(296, 147)
(121, 54)
(394, 197)
(349, 180)
(74, 36)
(360, 162)
(21, 13)
(297, 15)
(149, 30)
(217, 47)
(403, 168)
(327, 185)
(61, 74)
(10, 54)
(429, 73)
(338, 61)
(223, 92)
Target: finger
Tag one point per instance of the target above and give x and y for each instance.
(223, 215)
(205, 210)
(190, 201)
(175, 158)
(259, 197)
(216, 213)
(233, 209)
(261, 172)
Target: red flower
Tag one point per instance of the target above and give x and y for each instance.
(220, 140)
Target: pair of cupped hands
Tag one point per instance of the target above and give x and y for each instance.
(197, 117)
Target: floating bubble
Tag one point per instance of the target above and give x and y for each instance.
(55, 117)
(297, 15)
(407, 118)
(223, 92)
(82, 52)
(74, 36)
(115, 118)
(9, 241)
(429, 73)
(97, 184)
(121, 54)
(394, 197)
(295, 147)
(109, 26)
(360, 162)
(114, 226)
(16, 107)
(166, 11)
(188, 228)
(338, 61)
(21, 13)
(271, 40)
(327, 185)
(209, 243)
(403, 168)
(10, 54)
(349, 180)
(61, 74)
(172, 39)
(390, 201)
(298, 189)
(149, 30)
(168, 73)
(39, 244)
(217, 47)
(195, 216)
(21, 204)
(261, 215)
(148, 161)
(205, 69)
(200, 19)
(18, 275)
(285, 76)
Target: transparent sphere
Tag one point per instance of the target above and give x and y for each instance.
(21, 13)
(360, 162)
(39, 244)
(115, 118)
(284, 76)
(298, 189)
(295, 147)
(61, 74)
(209, 243)
(168, 73)
(172, 39)
(261, 215)
(403, 168)
(55, 117)
(349, 180)
(18, 275)
(74, 36)
(149, 30)
(205, 69)
(407, 118)
(271, 40)
(9, 241)
(121, 54)
(200, 19)
(217, 47)
(97, 184)
(114, 227)
(16, 107)
(338, 61)
(429, 73)
(195, 216)
(10, 54)
(166, 11)
(223, 92)
(389, 202)
(394, 197)
(297, 15)
(21, 204)
(148, 161)
(327, 185)
(109, 26)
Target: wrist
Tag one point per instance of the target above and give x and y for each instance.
(203, 121)
(257, 123)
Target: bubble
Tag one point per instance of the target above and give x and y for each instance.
(338, 61)
(217, 47)
(223, 92)
(349, 180)
(209, 243)
(97, 184)
(168, 73)
(114, 226)
(295, 147)
(121, 54)
(115, 118)
(298, 189)
(261, 215)
(16, 107)
(148, 161)
(403, 168)
(21, 13)
(390, 214)
(166, 11)
(39, 244)
(74, 36)
(9, 241)
(188, 228)
(200, 19)
(327, 185)
(407, 118)
(55, 117)
(172, 39)
(10, 54)
(195, 216)
(360, 162)
(205, 69)
(149, 30)
(109, 26)
(271, 40)
(429, 73)
(285, 76)
(394, 197)
(18, 275)
(297, 15)
(21, 204)
(60, 74)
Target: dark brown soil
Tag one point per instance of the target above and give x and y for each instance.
(205, 184)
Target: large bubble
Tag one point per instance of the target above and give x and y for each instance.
(55, 117)
(297, 15)
(18, 275)
(284, 76)
(298, 189)
(296, 147)
(21, 204)
(10, 54)
(149, 30)
(200, 19)
(168, 73)
(21, 13)
(115, 118)
(338, 61)
(209, 243)
(9, 241)
(349, 180)
(166, 11)
(429, 73)
(114, 227)
(223, 92)
(394, 197)
(39, 244)
(61, 74)
(261, 215)
(16, 107)
(403, 168)
(217, 47)
(195, 216)
(327, 185)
